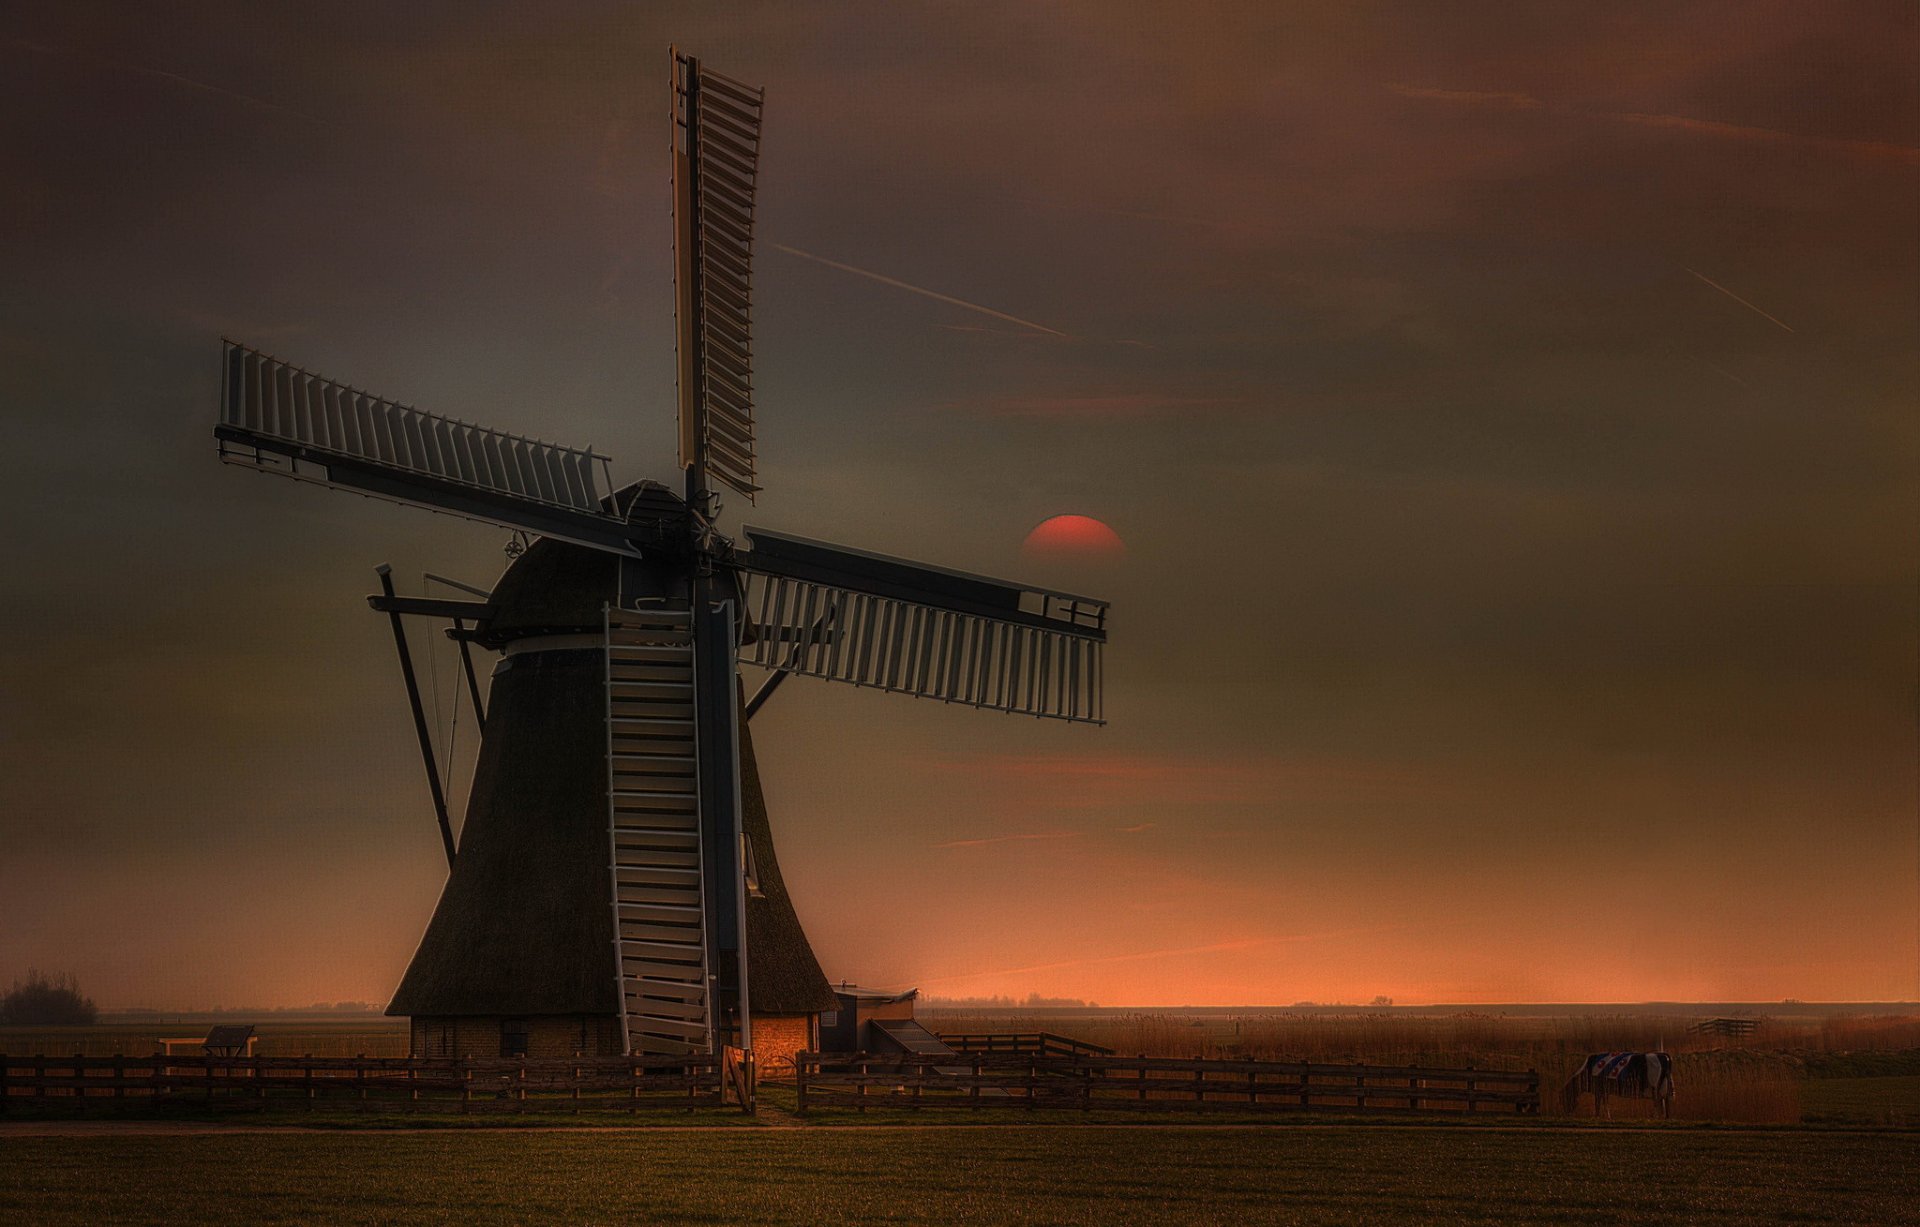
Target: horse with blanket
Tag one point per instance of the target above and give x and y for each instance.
(1630, 1075)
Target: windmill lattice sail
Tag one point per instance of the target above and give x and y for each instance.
(277, 417)
(715, 166)
(849, 616)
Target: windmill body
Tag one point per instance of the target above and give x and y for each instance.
(615, 887)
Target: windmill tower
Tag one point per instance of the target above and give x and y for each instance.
(615, 888)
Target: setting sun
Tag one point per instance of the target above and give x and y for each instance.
(1072, 536)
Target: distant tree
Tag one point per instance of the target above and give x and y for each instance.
(46, 1001)
(1383, 1001)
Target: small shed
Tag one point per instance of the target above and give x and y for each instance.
(224, 1040)
(848, 1027)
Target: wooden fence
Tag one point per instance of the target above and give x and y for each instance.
(1045, 1043)
(623, 1084)
(1078, 1081)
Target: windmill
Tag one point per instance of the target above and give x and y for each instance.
(615, 888)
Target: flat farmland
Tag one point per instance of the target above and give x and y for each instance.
(1154, 1174)
(1833, 1068)
(356, 1035)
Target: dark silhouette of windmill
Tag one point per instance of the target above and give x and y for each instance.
(615, 888)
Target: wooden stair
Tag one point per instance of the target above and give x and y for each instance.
(653, 832)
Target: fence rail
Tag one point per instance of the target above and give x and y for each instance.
(1045, 1043)
(1094, 1082)
(624, 1084)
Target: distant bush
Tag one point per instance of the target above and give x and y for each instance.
(47, 1001)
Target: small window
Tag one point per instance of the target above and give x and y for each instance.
(513, 1037)
(829, 1018)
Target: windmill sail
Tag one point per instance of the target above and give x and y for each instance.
(279, 418)
(849, 616)
(715, 164)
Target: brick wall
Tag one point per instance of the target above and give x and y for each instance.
(776, 1037)
(549, 1038)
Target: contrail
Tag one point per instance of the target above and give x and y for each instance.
(1719, 370)
(1513, 101)
(1735, 297)
(921, 290)
(1006, 839)
(177, 79)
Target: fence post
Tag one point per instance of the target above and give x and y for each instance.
(464, 1068)
(119, 1076)
(1413, 1085)
(973, 1091)
(1143, 1077)
(6, 1085)
(308, 1058)
(1473, 1090)
(800, 1082)
(1360, 1091)
(862, 1092)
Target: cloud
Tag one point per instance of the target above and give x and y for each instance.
(1710, 127)
(1502, 98)
(1110, 781)
(1124, 404)
(1136, 956)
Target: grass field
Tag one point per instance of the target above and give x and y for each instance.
(1879, 1101)
(1130, 1175)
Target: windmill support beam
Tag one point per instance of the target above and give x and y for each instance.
(717, 711)
(429, 607)
(760, 696)
(465, 641)
(419, 713)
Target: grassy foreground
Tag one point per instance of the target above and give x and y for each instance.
(1030, 1175)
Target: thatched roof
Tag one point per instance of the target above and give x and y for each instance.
(783, 976)
(525, 925)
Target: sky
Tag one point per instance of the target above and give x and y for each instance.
(1508, 411)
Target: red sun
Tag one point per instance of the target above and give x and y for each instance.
(1079, 538)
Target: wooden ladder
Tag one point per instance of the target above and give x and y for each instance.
(653, 832)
